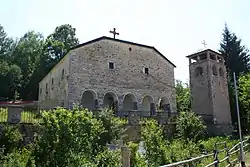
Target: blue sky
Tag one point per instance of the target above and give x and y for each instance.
(176, 28)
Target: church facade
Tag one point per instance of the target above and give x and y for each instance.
(108, 72)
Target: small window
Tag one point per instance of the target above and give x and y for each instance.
(146, 70)
(221, 72)
(198, 71)
(52, 81)
(214, 70)
(111, 65)
(46, 88)
(40, 90)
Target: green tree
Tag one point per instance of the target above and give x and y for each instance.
(26, 55)
(235, 54)
(183, 98)
(60, 42)
(6, 46)
(189, 126)
(11, 75)
(244, 100)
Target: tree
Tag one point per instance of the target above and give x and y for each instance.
(6, 46)
(244, 100)
(60, 42)
(27, 55)
(183, 98)
(11, 75)
(235, 54)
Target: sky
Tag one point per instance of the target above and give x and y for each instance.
(174, 27)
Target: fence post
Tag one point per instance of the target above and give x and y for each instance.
(227, 154)
(125, 156)
(216, 158)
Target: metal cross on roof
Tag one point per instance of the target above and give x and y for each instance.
(204, 43)
(114, 32)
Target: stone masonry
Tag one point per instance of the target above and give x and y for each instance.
(108, 72)
(209, 89)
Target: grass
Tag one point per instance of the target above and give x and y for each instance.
(26, 116)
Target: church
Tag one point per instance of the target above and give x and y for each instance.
(112, 73)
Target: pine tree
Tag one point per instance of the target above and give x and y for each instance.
(235, 54)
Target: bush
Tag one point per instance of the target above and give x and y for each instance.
(136, 160)
(18, 158)
(10, 137)
(190, 127)
(109, 158)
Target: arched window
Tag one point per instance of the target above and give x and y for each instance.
(221, 72)
(198, 71)
(214, 70)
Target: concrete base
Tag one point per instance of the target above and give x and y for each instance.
(219, 129)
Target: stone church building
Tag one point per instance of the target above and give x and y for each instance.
(108, 72)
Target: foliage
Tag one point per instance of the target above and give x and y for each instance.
(113, 127)
(25, 61)
(235, 54)
(189, 126)
(10, 137)
(66, 134)
(154, 143)
(136, 159)
(183, 97)
(19, 158)
(244, 100)
(109, 158)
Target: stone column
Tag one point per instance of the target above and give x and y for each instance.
(125, 156)
(152, 109)
(96, 104)
(116, 108)
(14, 113)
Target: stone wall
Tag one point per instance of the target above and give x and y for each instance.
(53, 89)
(89, 71)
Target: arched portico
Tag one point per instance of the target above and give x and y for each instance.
(89, 100)
(111, 101)
(148, 105)
(129, 102)
(164, 104)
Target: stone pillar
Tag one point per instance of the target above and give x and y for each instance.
(135, 106)
(152, 109)
(116, 107)
(125, 156)
(166, 107)
(96, 104)
(14, 113)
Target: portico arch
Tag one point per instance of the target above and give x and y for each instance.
(89, 99)
(148, 105)
(146, 101)
(110, 100)
(164, 104)
(129, 102)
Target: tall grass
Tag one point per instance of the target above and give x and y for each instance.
(26, 116)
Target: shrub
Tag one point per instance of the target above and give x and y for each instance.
(189, 126)
(10, 137)
(136, 159)
(109, 158)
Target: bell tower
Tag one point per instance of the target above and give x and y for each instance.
(209, 91)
